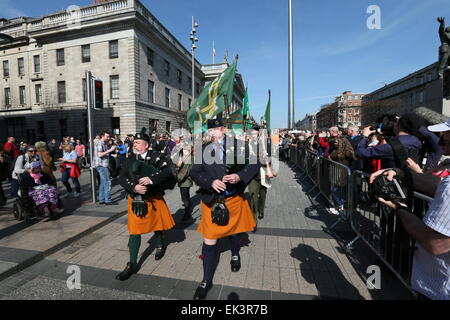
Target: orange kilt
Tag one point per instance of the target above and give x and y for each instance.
(158, 217)
(241, 219)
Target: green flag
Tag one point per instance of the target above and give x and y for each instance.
(267, 114)
(246, 110)
(236, 121)
(211, 100)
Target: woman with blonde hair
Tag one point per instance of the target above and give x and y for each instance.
(70, 169)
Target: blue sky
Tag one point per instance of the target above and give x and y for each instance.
(334, 49)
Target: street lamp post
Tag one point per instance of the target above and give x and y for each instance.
(194, 39)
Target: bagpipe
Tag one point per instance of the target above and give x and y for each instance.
(140, 169)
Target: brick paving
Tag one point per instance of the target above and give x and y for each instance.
(290, 257)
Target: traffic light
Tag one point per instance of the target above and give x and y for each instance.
(98, 94)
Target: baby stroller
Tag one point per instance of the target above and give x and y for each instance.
(24, 207)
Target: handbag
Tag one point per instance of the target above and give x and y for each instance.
(219, 211)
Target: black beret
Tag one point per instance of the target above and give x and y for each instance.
(215, 123)
(142, 136)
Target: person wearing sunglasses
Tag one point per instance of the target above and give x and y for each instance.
(22, 164)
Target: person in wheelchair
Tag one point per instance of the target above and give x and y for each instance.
(41, 188)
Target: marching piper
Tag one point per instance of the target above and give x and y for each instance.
(145, 176)
(225, 210)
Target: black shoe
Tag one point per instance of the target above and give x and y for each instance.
(255, 229)
(111, 203)
(261, 216)
(202, 290)
(101, 203)
(160, 252)
(127, 272)
(235, 263)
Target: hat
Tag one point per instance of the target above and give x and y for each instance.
(411, 122)
(35, 164)
(256, 127)
(442, 127)
(142, 135)
(215, 123)
(40, 144)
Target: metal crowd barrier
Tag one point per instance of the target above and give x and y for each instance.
(372, 222)
(331, 178)
(381, 230)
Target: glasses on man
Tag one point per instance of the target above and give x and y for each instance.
(31, 150)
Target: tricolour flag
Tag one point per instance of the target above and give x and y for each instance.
(267, 114)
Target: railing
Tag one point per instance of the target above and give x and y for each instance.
(374, 223)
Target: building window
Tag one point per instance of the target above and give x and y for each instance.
(114, 49)
(21, 66)
(40, 128)
(22, 95)
(37, 63)
(190, 102)
(179, 76)
(421, 97)
(197, 88)
(6, 68)
(7, 97)
(153, 124)
(190, 83)
(84, 88)
(180, 102)
(151, 94)
(167, 67)
(38, 91)
(60, 57)
(115, 125)
(61, 92)
(168, 126)
(167, 98)
(86, 53)
(114, 80)
(150, 55)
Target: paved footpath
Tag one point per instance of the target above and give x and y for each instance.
(292, 256)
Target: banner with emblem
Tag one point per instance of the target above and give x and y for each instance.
(211, 100)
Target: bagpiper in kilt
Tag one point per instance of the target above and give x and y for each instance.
(225, 210)
(145, 176)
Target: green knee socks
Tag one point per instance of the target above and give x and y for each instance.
(133, 244)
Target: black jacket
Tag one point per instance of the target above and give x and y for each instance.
(164, 179)
(27, 182)
(204, 174)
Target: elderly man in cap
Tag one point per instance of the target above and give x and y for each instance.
(145, 176)
(225, 211)
(431, 262)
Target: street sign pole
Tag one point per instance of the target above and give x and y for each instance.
(89, 89)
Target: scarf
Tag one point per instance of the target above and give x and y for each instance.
(37, 177)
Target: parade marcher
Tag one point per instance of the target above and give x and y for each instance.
(185, 182)
(225, 210)
(4, 174)
(258, 191)
(145, 176)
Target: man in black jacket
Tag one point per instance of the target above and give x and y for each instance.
(145, 176)
(223, 174)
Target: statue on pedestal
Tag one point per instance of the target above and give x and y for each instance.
(444, 49)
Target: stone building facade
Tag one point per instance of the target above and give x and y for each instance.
(419, 89)
(146, 72)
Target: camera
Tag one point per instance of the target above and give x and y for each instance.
(388, 190)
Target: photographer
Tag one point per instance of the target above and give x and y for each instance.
(404, 138)
(431, 263)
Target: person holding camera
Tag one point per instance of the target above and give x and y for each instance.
(431, 263)
(404, 141)
(225, 210)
